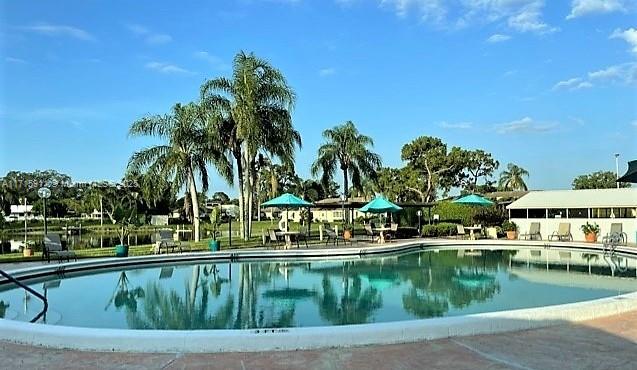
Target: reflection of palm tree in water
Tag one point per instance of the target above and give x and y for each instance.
(125, 296)
(355, 306)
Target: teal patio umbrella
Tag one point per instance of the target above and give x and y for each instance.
(474, 200)
(287, 201)
(380, 205)
(631, 174)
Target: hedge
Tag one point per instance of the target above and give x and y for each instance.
(441, 229)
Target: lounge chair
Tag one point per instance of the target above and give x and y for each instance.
(617, 231)
(53, 248)
(275, 240)
(460, 233)
(534, 232)
(164, 240)
(563, 232)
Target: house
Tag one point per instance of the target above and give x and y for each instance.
(19, 211)
(577, 207)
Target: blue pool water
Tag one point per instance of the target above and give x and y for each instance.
(271, 294)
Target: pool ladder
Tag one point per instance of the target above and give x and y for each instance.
(30, 290)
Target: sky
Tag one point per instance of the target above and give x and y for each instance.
(548, 85)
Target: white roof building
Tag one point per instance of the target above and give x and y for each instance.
(603, 207)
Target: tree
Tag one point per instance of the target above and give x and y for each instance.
(220, 197)
(189, 145)
(252, 111)
(598, 180)
(513, 178)
(347, 149)
(436, 166)
(478, 163)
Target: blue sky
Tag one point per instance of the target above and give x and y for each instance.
(550, 86)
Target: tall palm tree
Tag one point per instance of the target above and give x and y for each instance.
(189, 146)
(347, 149)
(253, 107)
(513, 178)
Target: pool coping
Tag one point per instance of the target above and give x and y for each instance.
(252, 340)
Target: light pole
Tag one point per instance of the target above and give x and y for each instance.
(419, 222)
(44, 193)
(343, 198)
(617, 168)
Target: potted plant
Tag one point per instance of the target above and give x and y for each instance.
(590, 232)
(347, 232)
(511, 229)
(215, 220)
(27, 251)
(125, 215)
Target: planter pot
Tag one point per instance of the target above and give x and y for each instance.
(121, 250)
(512, 235)
(347, 234)
(590, 237)
(214, 246)
(27, 252)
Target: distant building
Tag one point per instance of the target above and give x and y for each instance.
(19, 212)
(577, 207)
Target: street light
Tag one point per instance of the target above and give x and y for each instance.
(617, 168)
(44, 193)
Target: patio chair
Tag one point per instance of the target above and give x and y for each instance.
(53, 248)
(335, 238)
(164, 240)
(369, 231)
(460, 233)
(393, 231)
(616, 229)
(302, 235)
(563, 232)
(274, 238)
(534, 232)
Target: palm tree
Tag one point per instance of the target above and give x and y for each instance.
(253, 108)
(348, 149)
(513, 178)
(188, 148)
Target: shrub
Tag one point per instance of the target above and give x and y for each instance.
(489, 216)
(441, 229)
(454, 212)
(590, 228)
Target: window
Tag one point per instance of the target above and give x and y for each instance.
(578, 213)
(537, 213)
(557, 212)
(600, 212)
(518, 213)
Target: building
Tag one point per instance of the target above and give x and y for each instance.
(19, 211)
(577, 207)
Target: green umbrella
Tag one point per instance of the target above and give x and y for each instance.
(474, 200)
(287, 201)
(380, 205)
(631, 174)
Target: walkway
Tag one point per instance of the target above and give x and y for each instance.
(608, 343)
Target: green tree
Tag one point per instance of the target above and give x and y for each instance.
(478, 164)
(513, 178)
(598, 180)
(252, 111)
(220, 197)
(349, 150)
(189, 145)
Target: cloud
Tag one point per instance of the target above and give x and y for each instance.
(524, 125)
(569, 84)
(59, 30)
(496, 38)
(213, 60)
(634, 123)
(624, 74)
(166, 68)
(15, 60)
(589, 7)
(325, 72)
(457, 125)
(629, 35)
(148, 36)
(519, 15)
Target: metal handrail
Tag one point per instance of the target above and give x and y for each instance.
(30, 290)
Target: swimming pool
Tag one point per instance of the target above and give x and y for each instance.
(307, 293)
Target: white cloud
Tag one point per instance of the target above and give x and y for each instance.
(524, 125)
(166, 67)
(15, 60)
(619, 74)
(325, 72)
(149, 36)
(59, 30)
(457, 125)
(571, 83)
(519, 15)
(213, 60)
(498, 38)
(634, 123)
(629, 35)
(587, 7)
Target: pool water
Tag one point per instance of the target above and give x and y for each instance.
(417, 285)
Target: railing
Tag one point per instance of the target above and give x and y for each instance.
(30, 290)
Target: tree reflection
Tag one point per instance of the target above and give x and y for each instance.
(125, 296)
(3, 309)
(355, 306)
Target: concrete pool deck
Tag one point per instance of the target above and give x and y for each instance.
(606, 343)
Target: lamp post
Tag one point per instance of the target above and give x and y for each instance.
(617, 167)
(44, 193)
(419, 222)
(343, 198)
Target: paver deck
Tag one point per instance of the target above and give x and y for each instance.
(607, 343)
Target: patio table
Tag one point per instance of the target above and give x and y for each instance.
(381, 232)
(472, 230)
(288, 237)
